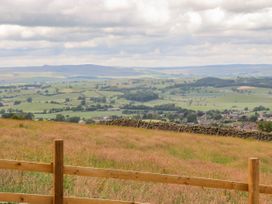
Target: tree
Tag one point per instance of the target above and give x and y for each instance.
(81, 98)
(19, 116)
(17, 103)
(214, 114)
(192, 118)
(60, 117)
(29, 100)
(73, 119)
(260, 108)
(265, 126)
(141, 96)
(83, 102)
(253, 118)
(243, 118)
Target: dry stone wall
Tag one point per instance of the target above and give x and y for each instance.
(191, 129)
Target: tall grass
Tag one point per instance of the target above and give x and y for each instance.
(132, 149)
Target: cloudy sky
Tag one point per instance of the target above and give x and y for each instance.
(135, 32)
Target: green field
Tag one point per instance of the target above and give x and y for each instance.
(53, 96)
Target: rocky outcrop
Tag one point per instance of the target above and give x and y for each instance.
(191, 129)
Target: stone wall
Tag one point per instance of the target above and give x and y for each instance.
(191, 129)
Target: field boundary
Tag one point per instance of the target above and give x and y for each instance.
(58, 169)
(197, 129)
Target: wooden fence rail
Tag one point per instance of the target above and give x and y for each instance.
(58, 169)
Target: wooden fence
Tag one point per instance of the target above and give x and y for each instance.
(58, 169)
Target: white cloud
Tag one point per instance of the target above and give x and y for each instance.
(117, 4)
(255, 20)
(215, 16)
(194, 21)
(124, 32)
(155, 12)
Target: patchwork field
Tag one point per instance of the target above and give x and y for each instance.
(50, 99)
(131, 149)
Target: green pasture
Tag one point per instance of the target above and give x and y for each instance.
(54, 95)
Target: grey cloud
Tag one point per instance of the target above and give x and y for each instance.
(246, 6)
(58, 13)
(152, 31)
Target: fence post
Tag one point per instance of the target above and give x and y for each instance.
(253, 181)
(58, 172)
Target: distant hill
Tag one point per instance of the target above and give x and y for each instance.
(212, 81)
(264, 82)
(92, 71)
(230, 70)
(74, 72)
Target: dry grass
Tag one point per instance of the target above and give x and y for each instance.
(134, 149)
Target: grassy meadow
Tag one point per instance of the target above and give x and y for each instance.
(131, 149)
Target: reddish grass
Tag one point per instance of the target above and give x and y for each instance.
(133, 149)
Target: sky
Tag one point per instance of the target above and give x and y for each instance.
(135, 32)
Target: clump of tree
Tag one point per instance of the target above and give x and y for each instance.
(74, 119)
(167, 107)
(265, 126)
(19, 116)
(29, 100)
(253, 118)
(214, 114)
(192, 118)
(260, 108)
(141, 96)
(17, 103)
(62, 118)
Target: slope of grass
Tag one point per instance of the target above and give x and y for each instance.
(133, 149)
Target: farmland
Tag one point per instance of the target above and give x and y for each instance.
(148, 150)
(104, 98)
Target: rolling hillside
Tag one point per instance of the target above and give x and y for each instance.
(47, 73)
(132, 149)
